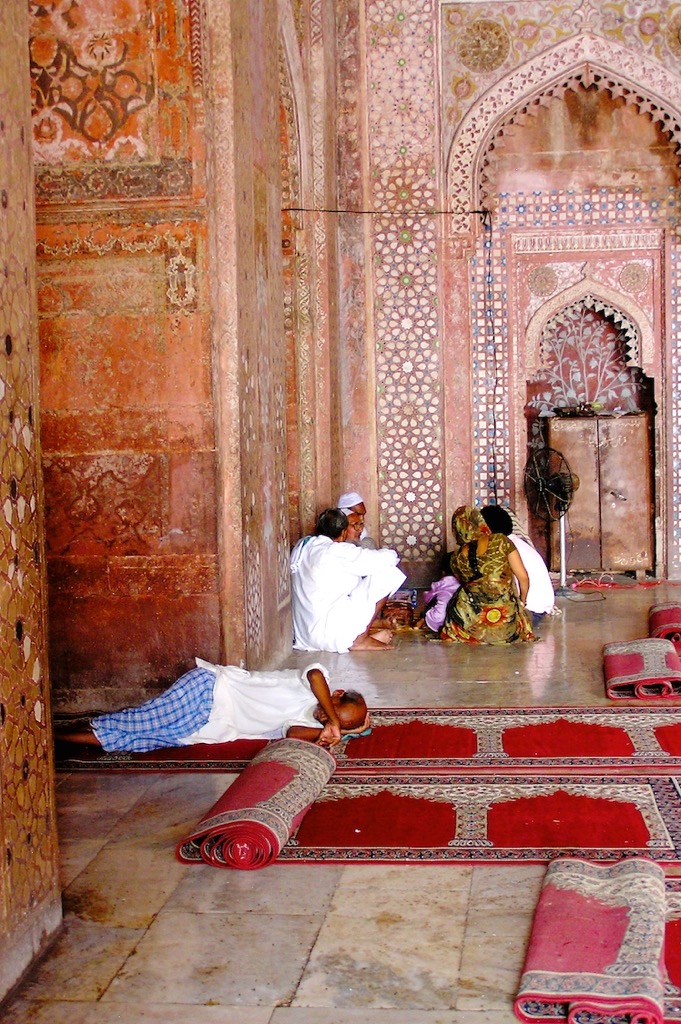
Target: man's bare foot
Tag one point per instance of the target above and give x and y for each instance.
(369, 643)
(384, 635)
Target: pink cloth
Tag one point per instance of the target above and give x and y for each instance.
(442, 590)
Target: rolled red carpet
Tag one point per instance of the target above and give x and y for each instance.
(642, 669)
(256, 816)
(664, 621)
(596, 948)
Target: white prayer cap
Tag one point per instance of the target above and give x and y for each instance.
(346, 501)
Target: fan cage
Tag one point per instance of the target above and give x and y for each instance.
(549, 484)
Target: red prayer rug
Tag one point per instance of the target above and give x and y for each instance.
(642, 669)
(252, 820)
(421, 817)
(482, 740)
(604, 946)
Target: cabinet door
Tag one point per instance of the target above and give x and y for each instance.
(626, 493)
(577, 441)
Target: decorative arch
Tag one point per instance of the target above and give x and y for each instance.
(640, 348)
(587, 59)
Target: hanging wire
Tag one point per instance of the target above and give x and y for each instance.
(483, 214)
(491, 347)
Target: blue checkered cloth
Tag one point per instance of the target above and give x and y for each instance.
(163, 721)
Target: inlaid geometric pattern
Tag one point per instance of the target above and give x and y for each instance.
(404, 188)
(521, 49)
(490, 361)
(674, 389)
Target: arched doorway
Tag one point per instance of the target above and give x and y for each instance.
(586, 373)
(575, 171)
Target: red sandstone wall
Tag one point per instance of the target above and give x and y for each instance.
(161, 319)
(128, 436)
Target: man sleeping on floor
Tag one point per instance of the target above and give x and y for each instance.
(217, 703)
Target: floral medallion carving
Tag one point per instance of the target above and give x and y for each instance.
(634, 277)
(674, 35)
(542, 281)
(485, 46)
(92, 79)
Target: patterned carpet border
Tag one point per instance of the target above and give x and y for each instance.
(181, 759)
(642, 726)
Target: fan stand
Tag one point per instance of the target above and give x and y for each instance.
(562, 589)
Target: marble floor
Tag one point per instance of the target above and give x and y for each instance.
(145, 938)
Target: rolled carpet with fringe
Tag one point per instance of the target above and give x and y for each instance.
(596, 949)
(664, 622)
(642, 669)
(256, 816)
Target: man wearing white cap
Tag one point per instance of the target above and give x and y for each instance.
(339, 589)
(353, 505)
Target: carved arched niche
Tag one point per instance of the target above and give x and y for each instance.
(585, 351)
(636, 82)
(634, 322)
(585, 60)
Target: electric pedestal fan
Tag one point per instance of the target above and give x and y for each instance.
(549, 489)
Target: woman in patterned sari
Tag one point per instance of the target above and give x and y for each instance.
(489, 607)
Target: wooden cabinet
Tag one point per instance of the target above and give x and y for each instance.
(610, 521)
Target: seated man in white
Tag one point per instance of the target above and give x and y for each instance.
(339, 589)
(353, 505)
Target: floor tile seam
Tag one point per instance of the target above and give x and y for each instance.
(249, 914)
(465, 931)
(126, 959)
(296, 986)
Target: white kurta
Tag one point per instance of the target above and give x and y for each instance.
(541, 596)
(335, 587)
(257, 705)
